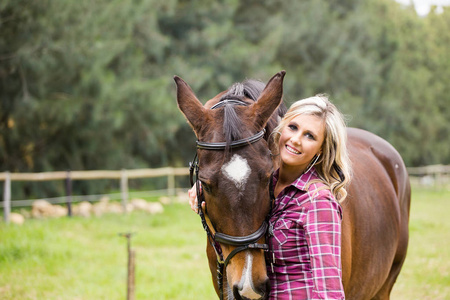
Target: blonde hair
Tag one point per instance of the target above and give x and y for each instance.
(333, 166)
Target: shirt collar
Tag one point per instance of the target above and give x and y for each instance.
(302, 181)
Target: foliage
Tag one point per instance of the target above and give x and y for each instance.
(88, 85)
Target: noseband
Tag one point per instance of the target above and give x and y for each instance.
(216, 238)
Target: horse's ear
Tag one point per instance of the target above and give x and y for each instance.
(189, 105)
(269, 99)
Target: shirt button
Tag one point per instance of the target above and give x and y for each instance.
(271, 230)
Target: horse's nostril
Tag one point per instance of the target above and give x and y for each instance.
(258, 292)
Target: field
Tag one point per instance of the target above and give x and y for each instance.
(78, 258)
(426, 272)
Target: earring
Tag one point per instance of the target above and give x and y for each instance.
(312, 163)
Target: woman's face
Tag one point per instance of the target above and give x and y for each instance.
(300, 140)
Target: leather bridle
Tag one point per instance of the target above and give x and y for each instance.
(241, 243)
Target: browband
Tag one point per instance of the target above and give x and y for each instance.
(235, 144)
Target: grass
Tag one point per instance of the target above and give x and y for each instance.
(78, 258)
(426, 272)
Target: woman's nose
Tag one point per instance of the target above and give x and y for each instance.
(296, 139)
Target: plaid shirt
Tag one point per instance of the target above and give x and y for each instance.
(304, 261)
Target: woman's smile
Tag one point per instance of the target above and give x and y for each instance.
(292, 150)
(300, 140)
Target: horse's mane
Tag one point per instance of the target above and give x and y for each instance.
(232, 125)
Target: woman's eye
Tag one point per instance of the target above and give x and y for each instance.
(310, 136)
(292, 127)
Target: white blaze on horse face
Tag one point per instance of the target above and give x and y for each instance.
(237, 170)
(246, 284)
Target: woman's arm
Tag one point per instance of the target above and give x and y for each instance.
(323, 234)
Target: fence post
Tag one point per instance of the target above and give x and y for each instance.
(69, 193)
(7, 197)
(130, 266)
(171, 182)
(124, 189)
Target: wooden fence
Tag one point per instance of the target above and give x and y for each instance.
(430, 175)
(433, 175)
(122, 175)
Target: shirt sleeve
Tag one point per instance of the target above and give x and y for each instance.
(323, 235)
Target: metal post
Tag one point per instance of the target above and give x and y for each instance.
(131, 272)
(124, 189)
(131, 266)
(69, 193)
(7, 197)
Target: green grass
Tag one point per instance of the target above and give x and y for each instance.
(77, 258)
(426, 272)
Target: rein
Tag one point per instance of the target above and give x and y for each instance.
(215, 238)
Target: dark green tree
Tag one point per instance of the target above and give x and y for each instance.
(88, 85)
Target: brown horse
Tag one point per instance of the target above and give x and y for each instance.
(234, 169)
(376, 217)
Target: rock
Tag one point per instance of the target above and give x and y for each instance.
(59, 211)
(155, 207)
(150, 207)
(25, 212)
(139, 204)
(165, 200)
(99, 208)
(104, 199)
(83, 209)
(129, 207)
(41, 208)
(44, 209)
(114, 208)
(16, 218)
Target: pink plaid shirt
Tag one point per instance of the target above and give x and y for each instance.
(304, 261)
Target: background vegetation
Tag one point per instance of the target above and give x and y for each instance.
(77, 258)
(88, 84)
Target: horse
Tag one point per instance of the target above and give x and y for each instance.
(376, 216)
(234, 165)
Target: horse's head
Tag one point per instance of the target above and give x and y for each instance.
(234, 166)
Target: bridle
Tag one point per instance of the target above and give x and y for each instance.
(215, 238)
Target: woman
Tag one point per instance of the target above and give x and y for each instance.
(305, 225)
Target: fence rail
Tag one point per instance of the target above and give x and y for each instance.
(437, 173)
(100, 174)
(433, 175)
(429, 170)
(68, 176)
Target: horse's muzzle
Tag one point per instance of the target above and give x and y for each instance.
(258, 292)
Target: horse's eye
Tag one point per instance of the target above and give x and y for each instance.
(206, 187)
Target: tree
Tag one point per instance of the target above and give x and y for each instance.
(88, 85)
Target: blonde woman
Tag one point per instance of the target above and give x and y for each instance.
(304, 234)
(305, 226)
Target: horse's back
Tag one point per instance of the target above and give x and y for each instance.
(376, 215)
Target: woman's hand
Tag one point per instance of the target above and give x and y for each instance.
(193, 201)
